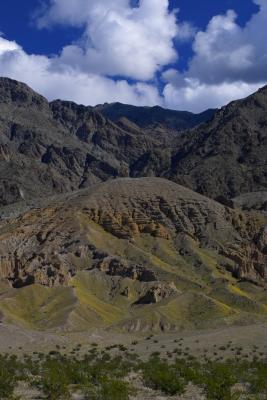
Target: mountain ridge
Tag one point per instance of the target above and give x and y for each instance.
(66, 147)
(147, 116)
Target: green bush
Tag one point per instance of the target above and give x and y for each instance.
(8, 376)
(114, 390)
(7, 383)
(53, 380)
(218, 380)
(160, 375)
(258, 378)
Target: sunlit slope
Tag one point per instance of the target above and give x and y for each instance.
(134, 255)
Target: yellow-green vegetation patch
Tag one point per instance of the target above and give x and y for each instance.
(39, 307)
(196, 309)
(9, 228)
(210, 260)
(154, 253)
(147, 318)
(237, 298)
(256, 292)
(80, 263)
(89, 293)
(161, 248)
(210, 294)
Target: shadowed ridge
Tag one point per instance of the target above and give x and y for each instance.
(146, 117)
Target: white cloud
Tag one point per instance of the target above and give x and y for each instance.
(229, 62)
(227, 51)
(6, 45)
(185, 31)
(118, 40)
(197, 96)
(39, 73)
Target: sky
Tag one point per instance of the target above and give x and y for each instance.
(179, 54)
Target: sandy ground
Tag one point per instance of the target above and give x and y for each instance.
(14, 339)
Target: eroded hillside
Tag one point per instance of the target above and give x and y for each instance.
(133, 254)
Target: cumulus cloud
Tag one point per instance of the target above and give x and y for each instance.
(185, 32)
(196, 96)
(7, 46)
(227, 51)
(119, 40)
(229, 62)
(40, 74)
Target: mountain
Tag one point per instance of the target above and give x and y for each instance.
(54, 148)
(133, 254)
(226, 156)
(58, 147)
(153, 117)
(131, 218)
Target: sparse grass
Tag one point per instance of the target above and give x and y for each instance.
(39, 307)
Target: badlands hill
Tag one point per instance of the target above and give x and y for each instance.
(131, 218)
(133, 254)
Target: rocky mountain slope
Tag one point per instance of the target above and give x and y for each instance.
(136, 254)
(58, 147)
(92, 235)
(227, 156)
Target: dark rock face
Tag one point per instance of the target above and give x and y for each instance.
(226, 156)
(157, 292)
(54, 148)
(145, 117)
(115, 266)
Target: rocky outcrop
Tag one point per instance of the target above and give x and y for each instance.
(115, 266)
(157, 292)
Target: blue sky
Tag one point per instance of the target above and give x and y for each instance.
(96, 51)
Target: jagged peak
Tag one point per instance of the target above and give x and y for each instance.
(12, 91)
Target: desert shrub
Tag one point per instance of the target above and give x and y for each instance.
(258, 378)
(189, 371)
(218, 380)
(112, 389)
(101, 376)
(53, 380)
(108, 389)
(7, 382)
(10, 373)
(160, 375)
